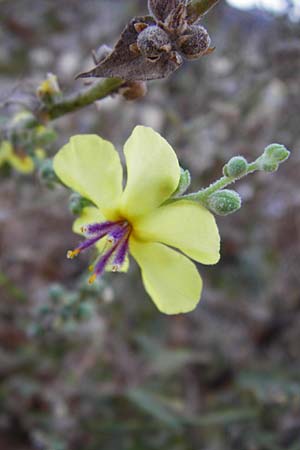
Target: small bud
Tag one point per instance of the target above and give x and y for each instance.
(24, 119)
(184, 182)
(236, 167)
(276, 153)
(44, 136)
(49, 89)
(56, 291)
(224, 202)
(47, 174)
(84, 311)
(77, 204)
(195, 42)
(152, 41)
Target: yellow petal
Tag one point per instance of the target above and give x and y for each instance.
(89, 215)
(23, 164)
(91, 166)
(124, 268)
(185, 225)
(171, 279)
(152, 172)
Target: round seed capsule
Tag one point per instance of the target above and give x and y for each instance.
(195, 42)
(152, 41)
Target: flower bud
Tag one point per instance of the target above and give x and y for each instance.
(56, 291)
(184, 182)
(152, 41)
(24, 119)
(47, 174)
(224, 202)
(44, 136)
(236, 167)
(84, 311)
(195, 42)
(49, 89)
(77, 204)
(276, 153)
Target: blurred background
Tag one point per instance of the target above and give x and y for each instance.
(86, 368)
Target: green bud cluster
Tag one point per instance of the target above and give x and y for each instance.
(65, 308)
(224, 202)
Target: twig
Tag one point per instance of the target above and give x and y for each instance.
(81, 99)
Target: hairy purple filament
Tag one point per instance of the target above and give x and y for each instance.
(117, 234)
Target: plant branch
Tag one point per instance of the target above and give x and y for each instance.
(234, 170)
(80, 99)
(202, 195)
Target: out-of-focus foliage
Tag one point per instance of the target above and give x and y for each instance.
(83, 369)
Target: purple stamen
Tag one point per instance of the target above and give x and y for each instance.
(117, 235)
(98, 228)
(121, 253)
(103, 261)
(89, 242)
(118, 232)
(111, 228)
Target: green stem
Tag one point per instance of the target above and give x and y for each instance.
(202, 195)
(198, 8)
(80, 99)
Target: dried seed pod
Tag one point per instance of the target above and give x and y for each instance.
(127, 62)
(153, 41)
(194, 43)
(132, 90)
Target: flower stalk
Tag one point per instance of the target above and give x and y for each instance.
(202, 195)
(269, 161)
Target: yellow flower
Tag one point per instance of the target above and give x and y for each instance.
(18, 160)
(49, 87)
(135, 219)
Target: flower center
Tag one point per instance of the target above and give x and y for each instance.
(115, 248)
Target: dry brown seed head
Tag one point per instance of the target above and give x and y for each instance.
(194, 43)
(153, 41)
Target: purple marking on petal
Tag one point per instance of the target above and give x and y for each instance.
(121, 253)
